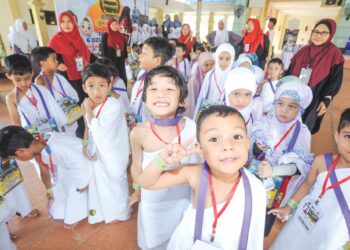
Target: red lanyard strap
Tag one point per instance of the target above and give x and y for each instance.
(284, 136)
(48, 151)
(213, 201)
(32, 99)
(99, 111)
(165, 142)
(217, 85)
(334, 185)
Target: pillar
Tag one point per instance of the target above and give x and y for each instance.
(40, 25)
(198, 19)
(160, 15)
(343, 26)
(181, 17)
(13, 10)
(211, 22)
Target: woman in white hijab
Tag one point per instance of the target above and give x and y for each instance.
(135, 36)
(24, 40)
(221, 35)
(213, 91)
(145, 32)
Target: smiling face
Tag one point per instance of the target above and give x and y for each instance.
(97, 88)
(343, 143)
(66, 24)
(224, 60)
(224, 143)
(162, 97)
(185, 30)
(240, 98)
(320, 35)
(286, 109)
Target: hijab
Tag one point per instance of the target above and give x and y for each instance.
(254, 38)
(23, 38)
(325, 56)
(188, 40)
(221, 36)
(70, 45)
(114, 39)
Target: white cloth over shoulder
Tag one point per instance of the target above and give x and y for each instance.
(25, 40)
(6, 213)
(108, 189)
(330, 231)
(268, 94)
(119, 87)
(229, 225)
(137, 106)
(72, 171)
(160, 211)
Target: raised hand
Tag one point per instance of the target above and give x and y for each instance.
(282, 213)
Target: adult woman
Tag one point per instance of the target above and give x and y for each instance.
(114, 46)
(72, 53)
(125, 23)
(255, 41)
(221, 35)
(24, 40)
(187, 39)
(325, 62)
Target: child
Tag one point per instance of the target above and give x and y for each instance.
(63, 161)
(6, 213)
(155, 51)
(205, 64)
(133, 60)
(60, 89)
(236, 197)
(181, 63)
(213, 89)
(107, 143)
(119, 90)
(282, 143)
(319, 198)
(161, 211)
(31, 105)
(240, 88)
(268, 91)
(246, 60)
(198, 50)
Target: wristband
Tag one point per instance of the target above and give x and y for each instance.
(136, 186)
(293, 204)
(49, 191)
(85, 142)
(160, 163)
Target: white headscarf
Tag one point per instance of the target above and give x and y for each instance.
(24, 38)
(145, 33)
(221, 74)
(241, 78)
(221, 36)
(135, 35)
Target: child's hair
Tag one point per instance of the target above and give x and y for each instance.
(182, 46)
(96, 69)
(276, 60)
(198, 46)
(41, 54)
(161, 48)
(344, 119)
(218, 110)
(273, 20)
(134, 45)
(174, 40)
(105, 61)
(17, 65)
(12, 138)
(167, 71)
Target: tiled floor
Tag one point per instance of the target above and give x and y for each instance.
(44, 233)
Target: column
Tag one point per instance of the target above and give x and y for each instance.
(343, 26)
(198, 19)
(211, 22)
(181, 17)
(160, 16)
(40, 25)
(13, 9)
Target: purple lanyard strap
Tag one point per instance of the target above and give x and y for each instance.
(338, 193)
(50, 85)
(272, 88)
(203, 187)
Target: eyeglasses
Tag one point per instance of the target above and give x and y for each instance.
(318, 33)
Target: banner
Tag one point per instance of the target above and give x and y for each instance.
(92, 16)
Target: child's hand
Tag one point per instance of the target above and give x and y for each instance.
(174, 153)
(265, 170)
(86, 153)
(87, 104)
(134, 198)
(50, 196)
(282, 213)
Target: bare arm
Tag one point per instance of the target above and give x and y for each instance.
(12, 108)
(40, 81)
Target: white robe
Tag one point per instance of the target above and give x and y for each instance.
(24, 40)
(160, 211)
(255, 114)
(330, 231)
(119, 87)
(229, 225)
(136, 100)
(70, 91)
(184, 68)
(6, 213)
(72, 171)
(268, 95)
(108, 189)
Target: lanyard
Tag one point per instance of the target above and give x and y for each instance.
(177, 65)
(250, 118)
(159, 138)
(188, 38)
(217, 85)
(119, 89)
(334, 185)
(213, 201)
(32, 99)
(272, 88)
(48, 151)
(139, 91)
(99, 111)
(199, 77)
(52, 87)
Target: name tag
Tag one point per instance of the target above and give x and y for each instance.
(203, 245)
(246, 48)
(309, 215)
(118, 53)
(254, 166)
(10, 177)
(305, 75)
(71, 109)
(79, 63)
(205, 104)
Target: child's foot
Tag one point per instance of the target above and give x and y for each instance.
(13, 236)
(70, 226)
(34, 213)
(114, 221)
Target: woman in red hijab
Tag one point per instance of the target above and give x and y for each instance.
(114, 46)
(72, 53)
(324, 61)
(255, 41)
(187, 39)
(125, 23)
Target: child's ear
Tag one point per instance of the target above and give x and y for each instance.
(84, 88)
(198, 149)
(112, 79)
(8, 76)
(158, 60)
(110, 85)
(336, 136)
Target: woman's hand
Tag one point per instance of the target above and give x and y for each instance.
(321, 109)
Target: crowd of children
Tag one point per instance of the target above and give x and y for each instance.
(216, 148)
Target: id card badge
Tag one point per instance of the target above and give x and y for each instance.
(79, 63)
(254, 166)
(203, 245)
(205, 104)
(269, 184)
(71, 109)
(309, 215)
(246, 47)
(305, 75)
(10, 176)
(118, 53)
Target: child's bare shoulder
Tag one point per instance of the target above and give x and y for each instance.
(11, 97)
(319, 163)
(192, 173)
(40, 80)
(139, 131)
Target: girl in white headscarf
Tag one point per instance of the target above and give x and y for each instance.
(135, 36)
(145, 33)
(245, 61)
(213, 91)
(240, 88)
(24, 40)
(283, 143)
